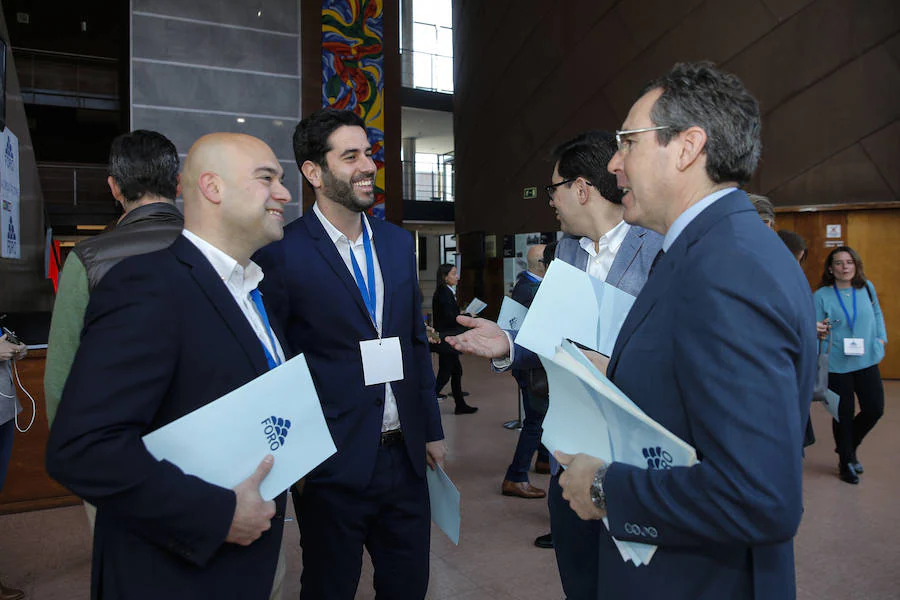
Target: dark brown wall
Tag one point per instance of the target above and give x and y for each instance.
(532, 73)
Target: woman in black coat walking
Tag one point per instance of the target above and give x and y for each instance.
(445, 309)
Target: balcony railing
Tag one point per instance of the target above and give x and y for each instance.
(435, 185)
(425, 71)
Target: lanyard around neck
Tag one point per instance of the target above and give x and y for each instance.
(275, 360)
(367, 291)
(850, 322)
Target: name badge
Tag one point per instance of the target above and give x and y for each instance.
(854, 346)
(382, 360)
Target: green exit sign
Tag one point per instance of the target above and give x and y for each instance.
(529, 193)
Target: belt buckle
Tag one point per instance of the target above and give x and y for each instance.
(391, 437)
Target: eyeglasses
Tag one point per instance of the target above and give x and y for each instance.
(551, 189)
(620, 142)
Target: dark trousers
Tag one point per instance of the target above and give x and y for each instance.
(449, 369)
(391, 518)
(6, 445)
(529, 440)
(850, 431)
(577, 546)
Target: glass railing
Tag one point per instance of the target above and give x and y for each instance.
(425, 71)
(434, 185)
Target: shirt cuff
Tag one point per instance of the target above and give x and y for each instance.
(501, 365)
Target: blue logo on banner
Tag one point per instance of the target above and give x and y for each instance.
(10, 155)
(276, 431)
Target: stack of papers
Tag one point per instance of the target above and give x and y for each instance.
(570, 304)
(277, 413)
(589, 414)
(512, 315)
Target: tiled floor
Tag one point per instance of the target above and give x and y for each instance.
(847, 547)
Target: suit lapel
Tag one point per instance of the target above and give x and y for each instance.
(663, 274)
(631, 246)
(330, 253)
(214, 289)
(383, 251)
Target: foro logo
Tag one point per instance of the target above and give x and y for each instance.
(275, 430)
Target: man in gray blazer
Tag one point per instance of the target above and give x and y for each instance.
(588, 204)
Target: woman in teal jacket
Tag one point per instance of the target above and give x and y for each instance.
(847, 304)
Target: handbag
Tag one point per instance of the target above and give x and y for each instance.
(821, 383)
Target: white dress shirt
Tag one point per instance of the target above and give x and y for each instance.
(240, 282)
(602, 254)
(391, 418)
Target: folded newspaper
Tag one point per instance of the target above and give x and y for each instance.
(589, 414)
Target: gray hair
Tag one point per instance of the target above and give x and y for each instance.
(698, 94)
(763, 207)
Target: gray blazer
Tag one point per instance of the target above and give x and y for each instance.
(9, 406)
(628, 272)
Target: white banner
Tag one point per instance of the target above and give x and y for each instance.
(10, 242)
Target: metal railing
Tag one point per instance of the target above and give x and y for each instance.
(434, 185)
(426, 71)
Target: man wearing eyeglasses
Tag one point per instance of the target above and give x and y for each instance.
(588, 204)
(717, 349)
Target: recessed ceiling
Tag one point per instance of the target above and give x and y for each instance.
(432, 129)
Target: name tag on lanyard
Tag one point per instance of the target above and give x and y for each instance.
(382, 360)
(854, 346)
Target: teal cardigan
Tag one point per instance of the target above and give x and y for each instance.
(869, 326)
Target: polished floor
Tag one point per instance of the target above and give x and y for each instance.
(848, 546)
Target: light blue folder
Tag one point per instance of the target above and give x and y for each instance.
(444, 502)
(277, 413)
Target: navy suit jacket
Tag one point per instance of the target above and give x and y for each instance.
(628, 272)
(163, 336)
(317, 299)
(720, 349)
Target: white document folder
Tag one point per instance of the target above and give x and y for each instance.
(277, 413)
(589, 414)
(570, 304)
(512, 314)
(444, 499)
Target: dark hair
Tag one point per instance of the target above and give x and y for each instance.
(859, 278)
(549, 253)
(588, 156)
(312, 133)
(144, 163)
(442, 273)
(698, 94)
(763, 207)
(794, 242)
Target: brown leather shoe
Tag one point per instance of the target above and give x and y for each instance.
(542, 467)
(10, 593)
(522, 489)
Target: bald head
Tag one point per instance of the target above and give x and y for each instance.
(233, 193)
(535, 259)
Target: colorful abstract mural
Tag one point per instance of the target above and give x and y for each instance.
(353, 71)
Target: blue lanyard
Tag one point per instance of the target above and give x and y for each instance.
(531, 277)
(273, 361)
(368, 293)
(850, 322)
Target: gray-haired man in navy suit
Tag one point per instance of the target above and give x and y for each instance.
(588, 204)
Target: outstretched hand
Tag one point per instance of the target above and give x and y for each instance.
(484, 338)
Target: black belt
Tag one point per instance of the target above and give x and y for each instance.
(389, 438)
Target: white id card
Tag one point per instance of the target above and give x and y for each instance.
(854, 346)
(382, 360)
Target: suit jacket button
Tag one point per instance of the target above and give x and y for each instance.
(379, 401)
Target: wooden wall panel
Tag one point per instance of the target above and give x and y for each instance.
(28, 487)
(875, 235)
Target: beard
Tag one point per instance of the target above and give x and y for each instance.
(343, 193)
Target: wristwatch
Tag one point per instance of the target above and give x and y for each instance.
(598, 496)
